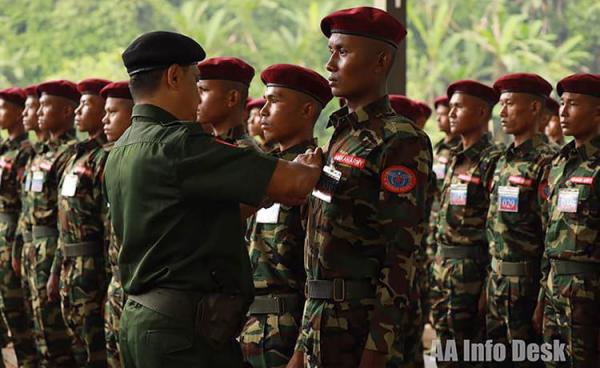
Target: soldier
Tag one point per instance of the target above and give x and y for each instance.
(461, 259)
(253, 128)
(295, 97)
(79, 261)
(175, 194)
(58, 101)
(14, 153)
(223, 85)
(515, 230)
(367, 215)
(552, 130)
(570, 287)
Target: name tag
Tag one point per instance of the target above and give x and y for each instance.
(458, 194)
(349, 160)
(69, 186)
(508, 199)
(268, 215)
(37, 181)
(568, 200)
(440, 171)
(329, 180)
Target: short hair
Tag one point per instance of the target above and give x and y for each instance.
(145, 83)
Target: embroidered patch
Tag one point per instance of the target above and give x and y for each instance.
(589, 180)
(398, 179)
(349, 160)
(544, 190)
(46, 166)
(470, 179)
(520, 180)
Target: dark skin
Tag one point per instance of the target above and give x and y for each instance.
(221, 104)
(11, 118)
(89, 113)
(469, 116)
(117, 117)
(254, 128)
(441, 116)
(520, 114)
(358, 69)
(553, 130)
(55, 115)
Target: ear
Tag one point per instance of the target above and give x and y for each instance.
(384, 61)
(308, 110)
(174, 76)
(233, 98)
(536, 107)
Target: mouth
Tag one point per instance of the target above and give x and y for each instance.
(332, 81)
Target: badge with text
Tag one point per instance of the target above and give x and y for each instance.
(349, 160)
(458, 194)
(440, 171)
(568, 200)
(329, 180)
(37, 181)
(69, 186)
(508, 199)
(268, 215)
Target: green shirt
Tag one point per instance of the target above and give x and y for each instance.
(174, 194)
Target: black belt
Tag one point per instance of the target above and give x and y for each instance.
(43, 231)
(525, 268)
(562, 267)
(9, 218)
(454, 251)
(176, 304)
(276, 304)
(27, 236)
(339, 290)
(82, 249)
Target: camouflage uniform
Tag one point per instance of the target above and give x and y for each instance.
(47, 168)
(81, 252)
(14, 154)
(462, 254)
(571, 275)
(276, 248)
(238, 137)
(515, 231)
(359, 250)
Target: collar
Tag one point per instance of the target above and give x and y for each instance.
(16, 142)
(66, 137)
(526, 147)
(145, 112)
(298, 148)
(475, 150)
(92, 143)
(588, 151)
(233, 134)
(442, 144)
(375, 109)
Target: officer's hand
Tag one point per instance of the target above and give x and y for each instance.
(297, 360)
(311, 158)
(538, 317)
(481, 308)
(16, 266)
(52, 288)
(372, 359)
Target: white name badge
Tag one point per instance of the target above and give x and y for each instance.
(268, 215)
(568, 200)
(330, 178)
(37, 181)
(508, 199)
(440, 171)
(69, 186)
(458, 194)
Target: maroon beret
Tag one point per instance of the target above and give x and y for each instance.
(585, 84)
(255, 103)
(406, 107)
(552, 105)
(226, 68)
(474, 88)
(91, 86)
(15, 95)
(61, 88)
(32, 90)
(117, 90)
(523, 83)
(441, 100)
(298, 78)
(425, 109)
(367, 22)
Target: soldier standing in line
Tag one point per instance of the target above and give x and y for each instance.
(253, 128)
(552, 130)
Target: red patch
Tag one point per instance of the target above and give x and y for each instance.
(46, 166)
(398, 179)
(82, 170)
(470, 179)
(520, 180)
(443, 160)
(349, 160)
(588, 180)
(225, 143)
(544, 190)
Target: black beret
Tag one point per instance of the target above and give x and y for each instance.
(159, 50)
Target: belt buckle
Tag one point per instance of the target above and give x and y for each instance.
(280, 304)
(339, 290)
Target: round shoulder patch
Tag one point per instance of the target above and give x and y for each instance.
(544, 190)
(398, 179)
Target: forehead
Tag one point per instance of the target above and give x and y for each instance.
(211, 83)
(275, 91)
(515, 96)
(441, 109)
(115, 102)
(342, 39)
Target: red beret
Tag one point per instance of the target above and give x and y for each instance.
(523, 83)
(61, 88)
(425, 109)
(15, 95)
(441, 100)
(367, 22)
(406, 107)
(117, 90)
(257, 103)
(226, 68)
(585, 84)
(552, 105)
(474, 88)
(32, 90)
(298, 78)
(91, 86)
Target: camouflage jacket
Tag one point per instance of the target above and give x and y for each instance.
(14, 154)
(81, 205)
(465, 195)
(375, 219)
(515, 230)
(277, 242)
(238, 137)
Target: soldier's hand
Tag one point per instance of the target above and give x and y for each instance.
(481, 308)
(538, 317)
(297, 360)
(52, 288)
(16, 266)
(372, 359)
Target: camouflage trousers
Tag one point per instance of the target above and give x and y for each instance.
(572, 316)
(83, 290)
(13, 298)
(56, 343)
(113, 309)
(27, 272)
(268, 340)
(456, 289)
(511, 301)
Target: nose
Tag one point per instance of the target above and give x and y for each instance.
(502, 110)
(264, 111)
(331, 63)
(452, 112)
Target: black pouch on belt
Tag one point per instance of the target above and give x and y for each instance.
(220, 318)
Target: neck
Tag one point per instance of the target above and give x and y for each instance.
(93, 134)
(223, 126)
(356, 102)
(448, 137)
(521, 138)
(16, 131)
(166, 104)
(296, 140)
(55, 135)
(469, 139)
(41, 135)
(583, 139)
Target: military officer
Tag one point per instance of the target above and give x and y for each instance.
(175, 194)
(367, 214)
(515, 230)
(462, 248)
